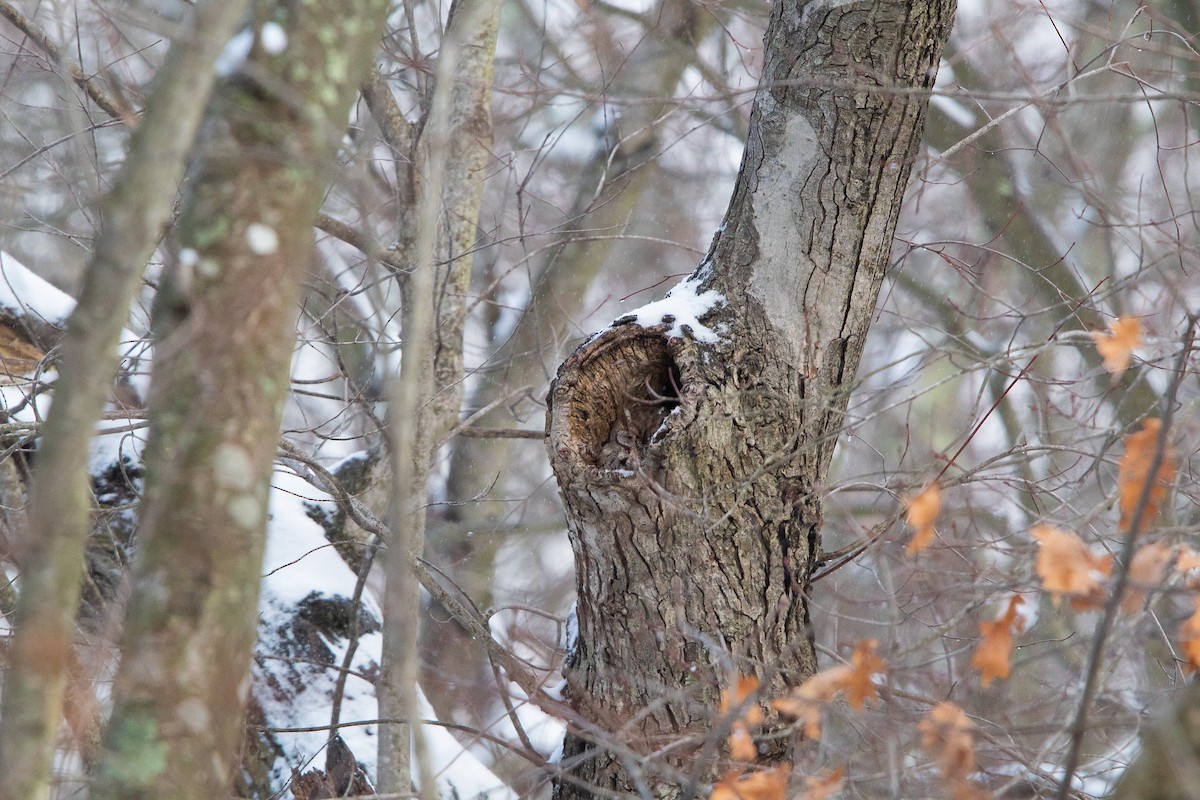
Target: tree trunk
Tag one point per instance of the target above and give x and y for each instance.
(224, 322)
(691, 451)
(645, 86)
(1168, 765)
(425, 398)
(134, 212)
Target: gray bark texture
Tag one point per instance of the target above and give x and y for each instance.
(452, 153)
(52, 562)
(1168, 766)
(223, 327)
(692, 469)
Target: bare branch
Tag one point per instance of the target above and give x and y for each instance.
(1078, 727)
(88, 84)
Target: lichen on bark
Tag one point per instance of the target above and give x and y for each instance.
(223, 326)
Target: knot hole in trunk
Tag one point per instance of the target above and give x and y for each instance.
(612, 397)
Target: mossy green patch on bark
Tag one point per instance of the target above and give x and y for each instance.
(138, 755)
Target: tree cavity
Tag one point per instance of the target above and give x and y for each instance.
(613, 398)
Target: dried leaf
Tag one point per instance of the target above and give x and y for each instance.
(740, 701)
(1116, 347)
(741, 743)
(859, 686)
(993, 657)
(946, 735)
(19, 359)
(823, 785)
(766, 784)
(966, 790)
(1189, 639)
(804, 703)
(922, 511)
(737, 700)
(1188, 559)
(1066, 566)
(1145, 572)
(1134, 472)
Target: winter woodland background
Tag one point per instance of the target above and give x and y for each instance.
(1055, 195)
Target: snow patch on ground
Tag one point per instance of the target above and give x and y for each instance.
(299, 559)
(19, 402)
(302, 567)
(300, 563)
(25, 294)
(115, 444)
(459, 774)
(544, 731)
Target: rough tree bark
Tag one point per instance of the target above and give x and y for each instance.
(691, 454)
(223, 328)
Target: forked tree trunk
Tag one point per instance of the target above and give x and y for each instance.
(691, 455)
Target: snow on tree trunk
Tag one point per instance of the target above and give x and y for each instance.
(691, 440)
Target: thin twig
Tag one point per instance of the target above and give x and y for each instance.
(51, 145)
(366, 519)
(1024, 371)
(975, 135)
(1112, 607)
(509, 709)
(339, 688)
(531, 756)
(480, 413)
(356, 238)
(499, 433)
(47, 45)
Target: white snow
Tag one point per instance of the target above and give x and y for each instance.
(262, 239)
(544, 732)
(21, 405)
(24, 293)
(459, 774)
(274, 38)
(299, 562)
(686, 307)
(299, 559)
(115, 444)
(235, 53)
